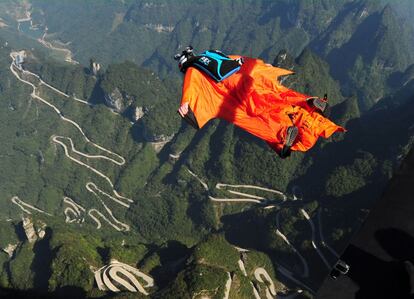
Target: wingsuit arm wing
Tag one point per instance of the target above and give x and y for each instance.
(263, 68)
(272, 72)
(190, 119)
(203, 99)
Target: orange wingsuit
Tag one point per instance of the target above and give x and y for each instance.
(254, 99)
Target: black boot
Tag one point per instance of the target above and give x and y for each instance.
(291, 135)
(321, 105)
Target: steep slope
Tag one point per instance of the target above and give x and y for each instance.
(147, 32)
(186, 185)
(380, 259)
(372, 46)
(59, 183)
(312, 75)
(365, 42)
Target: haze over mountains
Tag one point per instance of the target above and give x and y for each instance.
(98, 167)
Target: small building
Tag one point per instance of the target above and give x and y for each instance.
(19, 59)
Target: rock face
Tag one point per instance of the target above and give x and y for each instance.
(158, 138)
(32, 233)
(41, 229)
(115, 100)
(2, 23)
(29, 230)
(159, 27)
(284, 60)
(95, 68)
(10, 249)
(138, 113)
(174, 157)
(159, 141)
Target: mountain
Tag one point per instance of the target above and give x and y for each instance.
(373, 47)
(312, 75)
(380, 252)
(100, 175)
(370, 38)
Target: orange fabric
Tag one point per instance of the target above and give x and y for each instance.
(254, 100)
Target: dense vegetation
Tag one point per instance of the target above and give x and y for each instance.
(178, 235)
(373, 39)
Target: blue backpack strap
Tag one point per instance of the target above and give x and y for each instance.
(216, 64)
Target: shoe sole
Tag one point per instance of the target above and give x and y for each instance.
(319, 104)
(291, 134)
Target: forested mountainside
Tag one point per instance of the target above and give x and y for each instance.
(379, 254)
(372, 39)
(100, 173)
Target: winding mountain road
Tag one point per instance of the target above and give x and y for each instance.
(255, 291)
(25, 206)
(241, 266)
(13, 55)
(262, 276)
(75, 209)
(68, 53)
(307, 217)
(120, 197)
(119, 226)
(221, 185)
(106, 274)
(113, 157)
(258, 199)
(323, 242)
(227, 287)
(249, 198)
(285, 239)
